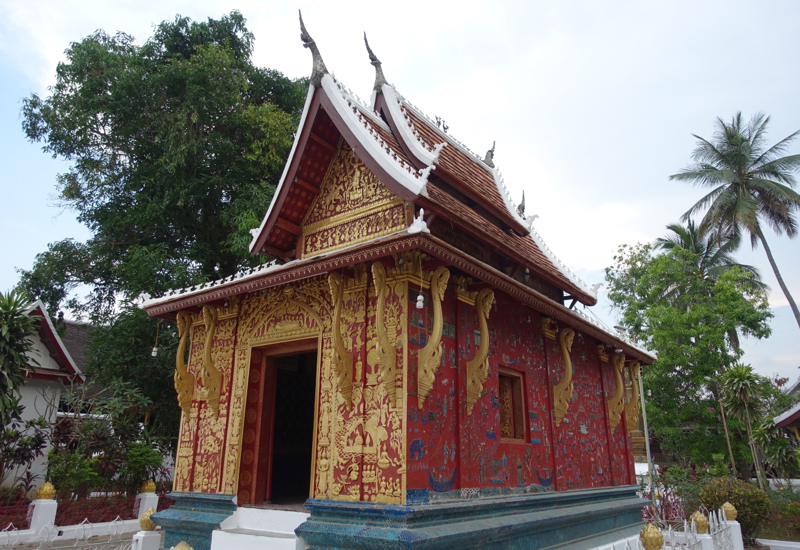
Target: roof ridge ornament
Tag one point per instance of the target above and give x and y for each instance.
(319, 68)
(380, 80)
(521, 207)
(488, 160)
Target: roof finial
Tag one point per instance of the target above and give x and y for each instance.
(319, 65)
(489, 160)
(380, 80)
(521, 207)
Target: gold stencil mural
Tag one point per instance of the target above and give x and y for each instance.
(352, 206)
(342, 359)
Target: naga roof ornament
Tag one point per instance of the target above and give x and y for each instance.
(488, 160)
(380, 80)
(319, 68)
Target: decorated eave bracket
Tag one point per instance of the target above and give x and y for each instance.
(341, 358)
(184, 380)
(616, 404)
(632, 407)
(562, 392)
(387, 341)
(210, 376)
(429, 357)
(478, 366)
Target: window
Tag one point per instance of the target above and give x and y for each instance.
(512, 405)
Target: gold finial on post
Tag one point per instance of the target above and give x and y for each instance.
(145, 523)
(730, 511)
(182, 545)
(701, 521)
(148, 486)
(46, 492)
(651, 537)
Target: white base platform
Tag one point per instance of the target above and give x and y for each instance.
(256, 529)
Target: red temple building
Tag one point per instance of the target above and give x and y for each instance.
(410, 365)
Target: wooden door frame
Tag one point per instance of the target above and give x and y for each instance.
(270, 351)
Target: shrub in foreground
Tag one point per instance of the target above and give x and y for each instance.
(752, 504)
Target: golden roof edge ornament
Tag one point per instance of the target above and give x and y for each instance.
(319, 68)
(46, 492)
(380, 80)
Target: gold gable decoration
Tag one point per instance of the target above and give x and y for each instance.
(352, 206)
(617, 402)
(478, 366)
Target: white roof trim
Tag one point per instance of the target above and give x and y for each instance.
(46, 316)
(348, 108)
(409, 136)
(783, 416)
(257, 232)
(561, 266)
(250, 273)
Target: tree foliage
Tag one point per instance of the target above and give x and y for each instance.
(688, 319)
(750, 183)
(17, 328)
(175, 148)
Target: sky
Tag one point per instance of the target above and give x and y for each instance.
(592, 105)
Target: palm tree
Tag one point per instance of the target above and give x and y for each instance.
(713, 256)
(750, 184)
(713, 251)
(742, 388)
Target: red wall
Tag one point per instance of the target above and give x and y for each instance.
(451, 450)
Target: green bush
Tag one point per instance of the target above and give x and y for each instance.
(73, 474)
(142, 462)
(752, 504)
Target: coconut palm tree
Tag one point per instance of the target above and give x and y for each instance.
(750, 183)
(713, 251)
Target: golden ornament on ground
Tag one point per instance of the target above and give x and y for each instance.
(46, 492)
(145, 522)
(651, 537)
(730, 511)
(701, 521)
(148, 486)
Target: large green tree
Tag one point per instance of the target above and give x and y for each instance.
(688, 319)
(751, 184)
(175, 147)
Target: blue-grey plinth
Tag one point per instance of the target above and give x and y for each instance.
(573, 520)
(193, 517)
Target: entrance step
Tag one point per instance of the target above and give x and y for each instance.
(256, 529)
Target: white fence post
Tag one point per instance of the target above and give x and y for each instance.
(144, 501)
(42, 512)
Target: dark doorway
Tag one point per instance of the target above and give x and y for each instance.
(293, 427)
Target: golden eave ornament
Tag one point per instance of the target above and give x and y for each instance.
(562, 393)
(429, 357)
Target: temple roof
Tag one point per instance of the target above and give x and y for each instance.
(63, 365)
(417, 161)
